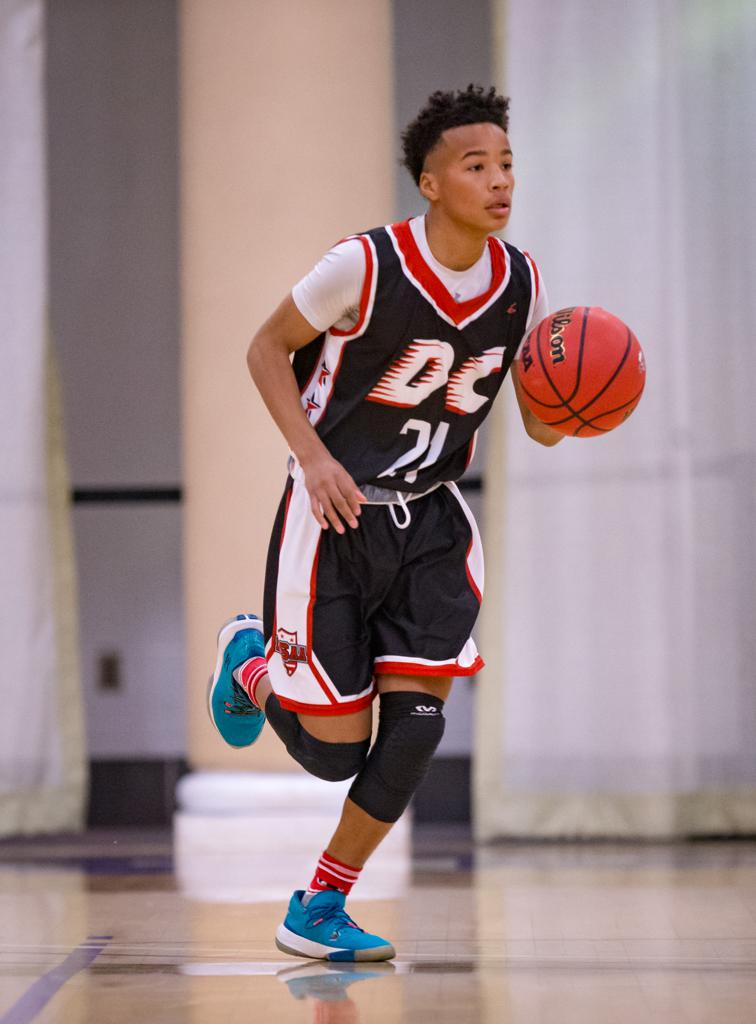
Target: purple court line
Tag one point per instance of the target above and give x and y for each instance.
(34, 1000)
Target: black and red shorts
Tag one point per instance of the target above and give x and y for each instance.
(343, 608)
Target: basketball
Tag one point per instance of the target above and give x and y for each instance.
(582, 371)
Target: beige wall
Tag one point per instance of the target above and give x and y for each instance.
(286, 146)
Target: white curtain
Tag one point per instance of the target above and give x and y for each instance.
(42, 776)
(620, 623)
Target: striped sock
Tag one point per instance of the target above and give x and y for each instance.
(332, 874)
(249, 675)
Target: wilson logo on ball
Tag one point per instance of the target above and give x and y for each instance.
(556, 340)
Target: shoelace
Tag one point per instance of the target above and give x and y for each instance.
(241, 704)
(334, 914)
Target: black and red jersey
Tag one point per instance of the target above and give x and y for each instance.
(398, 398)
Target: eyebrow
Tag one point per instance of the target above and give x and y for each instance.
(484, 152)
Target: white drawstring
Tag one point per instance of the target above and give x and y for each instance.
(405, 507)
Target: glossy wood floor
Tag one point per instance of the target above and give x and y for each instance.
(96, 929)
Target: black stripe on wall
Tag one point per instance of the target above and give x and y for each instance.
(125, 495)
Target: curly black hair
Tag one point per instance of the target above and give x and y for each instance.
(473, 105)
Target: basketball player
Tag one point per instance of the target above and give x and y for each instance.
(400, 339)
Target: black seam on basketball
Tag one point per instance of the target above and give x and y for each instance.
(591, 426)
(575, 416)
(551, 383)
(579, 372)
(574, 413)
(610, 412)
(613, 377)
(546, 405)
(592, 422)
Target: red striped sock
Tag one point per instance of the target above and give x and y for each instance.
(332, 874)
(249, 675)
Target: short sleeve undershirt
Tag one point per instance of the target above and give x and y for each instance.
(329, 296)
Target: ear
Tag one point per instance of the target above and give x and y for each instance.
(428, 186)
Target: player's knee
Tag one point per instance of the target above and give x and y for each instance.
(410, 729)
(333, 762)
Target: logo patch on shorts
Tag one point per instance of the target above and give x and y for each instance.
(292, 653)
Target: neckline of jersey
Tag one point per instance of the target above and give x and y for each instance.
(421, 273)
(420, 234)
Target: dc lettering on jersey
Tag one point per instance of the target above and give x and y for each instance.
(424, 367)
(292, 653)
(421, 369)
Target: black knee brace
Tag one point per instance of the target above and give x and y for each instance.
(333, 762)
(410, 728)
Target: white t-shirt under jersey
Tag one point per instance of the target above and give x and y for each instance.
(329, 296)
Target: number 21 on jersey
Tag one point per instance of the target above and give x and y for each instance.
(420, 370)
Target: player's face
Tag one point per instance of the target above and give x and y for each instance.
(469, 176)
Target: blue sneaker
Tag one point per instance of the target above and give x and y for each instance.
(324, 931)
(231, 711)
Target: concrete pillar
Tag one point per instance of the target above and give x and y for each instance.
(286, 146)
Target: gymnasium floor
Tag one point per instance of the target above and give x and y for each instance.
(96, 929)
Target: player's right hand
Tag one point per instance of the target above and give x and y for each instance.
(334, 496)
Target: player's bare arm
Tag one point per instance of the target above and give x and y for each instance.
(539, 431)
(334, 496)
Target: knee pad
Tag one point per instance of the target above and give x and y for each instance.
(333, 762)
(410, 728)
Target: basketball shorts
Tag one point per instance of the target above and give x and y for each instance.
(343, 608)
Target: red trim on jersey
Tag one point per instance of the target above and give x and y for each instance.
(396, 405)
(346, 707)
(536, 277)
(365, 295)
(310, 607)
(408, 667)
(364, 303)
(470, 580)
(456, 311)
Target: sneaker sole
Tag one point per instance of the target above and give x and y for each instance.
(296, 945)
(230, 628)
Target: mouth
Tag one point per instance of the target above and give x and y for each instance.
(500, 209)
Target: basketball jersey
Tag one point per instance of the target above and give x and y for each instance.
(398, 398)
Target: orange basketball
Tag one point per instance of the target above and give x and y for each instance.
(582, 371)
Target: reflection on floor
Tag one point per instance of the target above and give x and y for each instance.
(96, 929)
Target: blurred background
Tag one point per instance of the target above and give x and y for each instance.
(167, 171)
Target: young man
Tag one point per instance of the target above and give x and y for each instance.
(400, 340)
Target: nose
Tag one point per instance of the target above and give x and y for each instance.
(500, 179)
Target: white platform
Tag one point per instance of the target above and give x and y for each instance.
(243, 837)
